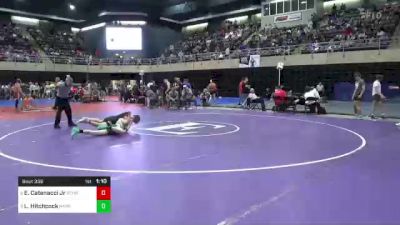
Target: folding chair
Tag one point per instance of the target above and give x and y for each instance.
(250, 105)
(307, 107)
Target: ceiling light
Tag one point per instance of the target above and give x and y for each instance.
(132, 23)
(75, 30)
(197, 26)
(93, 26)
(71, 7)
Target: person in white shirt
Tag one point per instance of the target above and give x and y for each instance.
(253, 98)
(227, 52)
(320, 88)
(312, 98)
(377, 97)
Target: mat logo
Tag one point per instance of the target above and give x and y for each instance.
(189, 129)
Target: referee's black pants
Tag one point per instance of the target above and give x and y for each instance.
(62, 104)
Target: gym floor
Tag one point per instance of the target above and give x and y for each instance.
(211, 166)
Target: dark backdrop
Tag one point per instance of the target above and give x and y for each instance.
(296, 78)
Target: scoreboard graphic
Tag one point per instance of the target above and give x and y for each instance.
(64, 195)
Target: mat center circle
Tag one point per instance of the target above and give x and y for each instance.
(186, 128)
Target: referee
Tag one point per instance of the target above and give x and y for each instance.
(62, 101)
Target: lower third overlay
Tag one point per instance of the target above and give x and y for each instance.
(64, 195)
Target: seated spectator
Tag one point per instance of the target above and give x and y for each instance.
(173, 97)
(312, 99)
(187, 83)
(151, 96)
(187, 97)
(321, 89)
(253, 98)
(205, 97)
(27, 104)
(280, 98)
(268, 93)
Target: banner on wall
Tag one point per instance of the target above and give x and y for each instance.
(287, 17)
(250, 61)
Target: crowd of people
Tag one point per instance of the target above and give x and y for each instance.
(177, 94)
(31, 91)
(228, 37)
(172, 95)
(58, 43)
(35, 89)
(14, 46)
(352, 28)
(340, 28)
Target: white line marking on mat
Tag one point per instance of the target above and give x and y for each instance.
(8, 208)
(254, 208)
(306, 163)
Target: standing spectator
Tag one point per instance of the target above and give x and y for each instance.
(181, 56)
(377, 97)
(242, 90)
(334, 9)
(122, 91)
(212, 88)
(342, 7)
(31, 88)
(17, 92)
(358, 94)
(179, 87)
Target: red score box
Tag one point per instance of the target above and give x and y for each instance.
(103, 193)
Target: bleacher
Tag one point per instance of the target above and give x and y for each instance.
(229, 35)
(62, 46)
(14, 46)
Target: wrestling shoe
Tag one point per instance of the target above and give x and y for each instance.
(398, 124)
(75, 131)
(72, 124)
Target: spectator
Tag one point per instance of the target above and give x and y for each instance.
(243, 90)
(342, 7)
(321, 89)
(151, 96)
(173, 97)
(205, 97)
(187, 96)
(280, 98)
(253, 98)
(187, 83)
(358, 94)
(377, 97)
(312, 98)
(212, 88)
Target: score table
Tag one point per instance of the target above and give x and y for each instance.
(64, 195)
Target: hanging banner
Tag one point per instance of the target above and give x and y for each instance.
(287, 17)
(250, 61)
